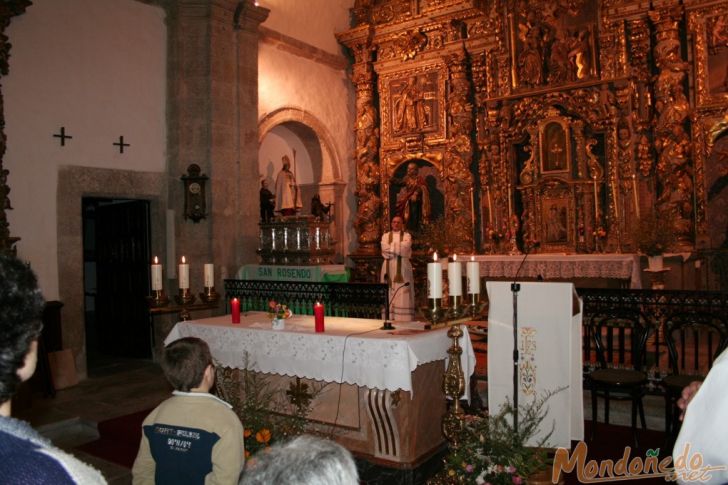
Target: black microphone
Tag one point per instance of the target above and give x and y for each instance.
(387, 324)
(527, 250)
(515, 288)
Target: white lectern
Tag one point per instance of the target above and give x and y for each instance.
(549, 347)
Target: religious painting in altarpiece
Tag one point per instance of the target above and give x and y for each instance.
(411, 103)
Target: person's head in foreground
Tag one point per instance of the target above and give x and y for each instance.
(187, 364)
(305, 460)
(21, 305)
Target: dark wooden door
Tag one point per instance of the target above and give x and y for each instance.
(122, 278)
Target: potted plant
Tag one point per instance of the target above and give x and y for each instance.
(653, 235)
(491, 451)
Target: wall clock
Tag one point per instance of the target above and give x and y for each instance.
(195, 204)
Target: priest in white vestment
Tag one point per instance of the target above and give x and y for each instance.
(397, 270)
(700, 454)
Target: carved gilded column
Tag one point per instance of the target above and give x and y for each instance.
(459, 187)
(674, 169)
(8, 10)
(367, 222)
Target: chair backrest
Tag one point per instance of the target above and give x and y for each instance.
(694, 340)
(620, 338)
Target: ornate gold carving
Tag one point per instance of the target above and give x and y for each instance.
(709, 29)
(613, 70)
(411, 43)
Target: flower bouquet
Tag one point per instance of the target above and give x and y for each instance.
(278, 312)
(492, 452)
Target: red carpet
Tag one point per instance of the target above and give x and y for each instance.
(118, 439)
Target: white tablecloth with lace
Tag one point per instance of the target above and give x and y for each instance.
(624, 267)
(351, 350)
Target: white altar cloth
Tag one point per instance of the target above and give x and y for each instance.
(351, 350)
(563, 266)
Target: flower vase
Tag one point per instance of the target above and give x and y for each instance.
(655, 263)
(278, 323)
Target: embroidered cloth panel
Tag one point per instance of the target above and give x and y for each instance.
(563, 266)
(351, 350)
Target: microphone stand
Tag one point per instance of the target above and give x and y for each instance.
(515, 288)
(387, 324)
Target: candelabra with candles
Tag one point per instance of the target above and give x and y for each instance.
(185, 299)
(453, 316)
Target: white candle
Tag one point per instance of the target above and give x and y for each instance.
(636, 197)
(434, 278)
(455, 276)
(473, 269)
(209, 275)
(156, 275)
(184, 275)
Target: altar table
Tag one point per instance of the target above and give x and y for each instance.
(383, 392)
(625, 267)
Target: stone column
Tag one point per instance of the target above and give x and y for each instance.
(213, 109)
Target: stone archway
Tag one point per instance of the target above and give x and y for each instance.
(326, 162)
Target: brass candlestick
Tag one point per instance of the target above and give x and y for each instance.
(456, 309)
(475, 307)
(433, 313)
(158, 299)
(209, 295)
(185, 297)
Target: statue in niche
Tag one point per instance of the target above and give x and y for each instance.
(404, 107)
(580, 55)
(559, 59)
(320, 210)
(413, 200)
(412, 106)
(530, 59)
(718, 33)
(554, 151)
(556, 224)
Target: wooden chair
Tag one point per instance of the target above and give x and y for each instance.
(693, 341)
(620, 341)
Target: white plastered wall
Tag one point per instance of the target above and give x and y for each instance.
(98, 68)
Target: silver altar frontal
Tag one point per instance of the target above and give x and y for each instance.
(295, 240)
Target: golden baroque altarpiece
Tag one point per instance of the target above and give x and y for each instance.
(562, 122)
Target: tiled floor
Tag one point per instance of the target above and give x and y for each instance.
(115, 388)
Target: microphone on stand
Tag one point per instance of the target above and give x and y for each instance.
(387, 324)
(515, 288)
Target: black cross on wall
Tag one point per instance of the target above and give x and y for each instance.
(62, 135)
(121, 144)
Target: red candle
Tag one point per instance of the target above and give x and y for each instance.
(235, 310)
(318, 316)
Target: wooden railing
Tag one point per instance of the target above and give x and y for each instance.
(657, 307)
(356, 300)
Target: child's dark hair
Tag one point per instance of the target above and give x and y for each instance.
(21, 305)
(184, 362)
